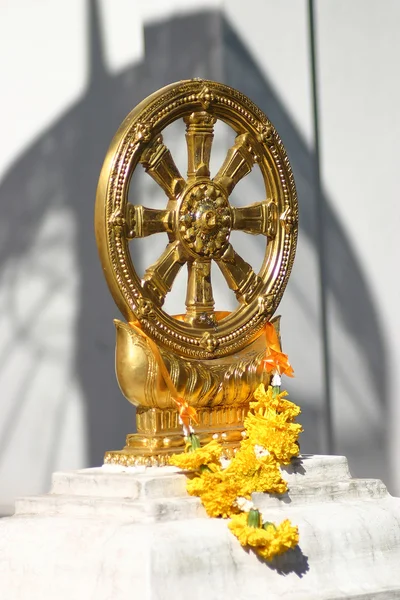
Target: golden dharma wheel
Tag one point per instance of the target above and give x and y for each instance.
(198, 219)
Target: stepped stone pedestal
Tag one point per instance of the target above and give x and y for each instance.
(109, 534)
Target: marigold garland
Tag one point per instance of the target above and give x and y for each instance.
(208, 455)
(268, 541)
(270, 440)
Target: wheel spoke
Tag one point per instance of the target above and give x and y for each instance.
(159, 164)
(159, 277)
(258, 218)
(239, 275)
(199, 137)
(238, 163)
(199, 298)
(139, 221)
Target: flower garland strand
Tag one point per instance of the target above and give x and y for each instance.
(271, 440)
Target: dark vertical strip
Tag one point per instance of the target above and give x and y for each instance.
(328, 439)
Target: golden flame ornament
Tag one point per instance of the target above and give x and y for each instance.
(214, 360)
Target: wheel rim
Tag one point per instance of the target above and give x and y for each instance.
(198, 218)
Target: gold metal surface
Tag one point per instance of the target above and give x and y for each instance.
(214, 360)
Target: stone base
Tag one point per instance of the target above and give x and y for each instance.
(112, 534)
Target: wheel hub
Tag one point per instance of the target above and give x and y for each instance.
(205, 220)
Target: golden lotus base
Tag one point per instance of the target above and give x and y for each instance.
(160, 435)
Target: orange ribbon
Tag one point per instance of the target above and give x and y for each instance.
(275, 359)
(186, 412)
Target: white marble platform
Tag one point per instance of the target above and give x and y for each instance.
(112, 535)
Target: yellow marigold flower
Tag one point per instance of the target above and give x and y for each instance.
(219, 499)
(253, 474)
(192, 461)
(268, 478)
(217, 492)
(268, 542)
(266, 399)
(195, 486)
(275, 434)
(282, 538)
(247, 535)
(244, 463)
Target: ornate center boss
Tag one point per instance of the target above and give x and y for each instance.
(211, 359)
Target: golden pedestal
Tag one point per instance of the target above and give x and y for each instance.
(160, 434)
(213, 361)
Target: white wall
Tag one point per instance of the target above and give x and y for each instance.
(60, 106)
(360, 123)
(42, 419)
